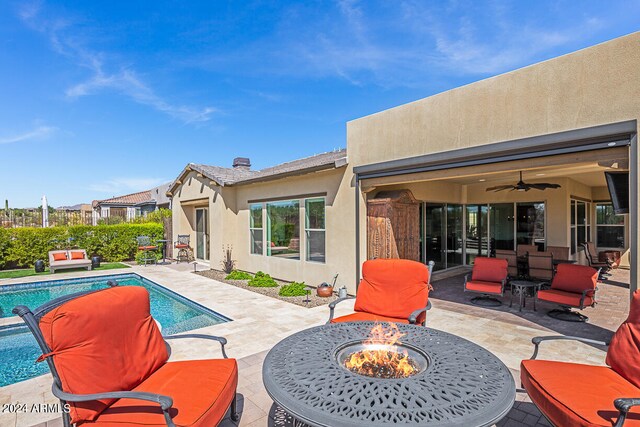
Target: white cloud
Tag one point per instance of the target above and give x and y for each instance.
(120, 186)
(39, 133)
(124, 81)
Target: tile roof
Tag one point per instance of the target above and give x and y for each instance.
(239, 175)
(128, 199)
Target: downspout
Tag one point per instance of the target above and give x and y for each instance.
(357, 188)
(633, 213)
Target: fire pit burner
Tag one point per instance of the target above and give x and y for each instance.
(382, 360)
(458, 383)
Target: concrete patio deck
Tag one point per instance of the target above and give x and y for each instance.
(259, 322)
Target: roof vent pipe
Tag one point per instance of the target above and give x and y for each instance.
(242, 163)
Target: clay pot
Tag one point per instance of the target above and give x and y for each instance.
(324, 291)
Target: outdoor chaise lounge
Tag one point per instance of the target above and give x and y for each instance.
(573, 286)
(488, 278)
(72, 258)
(391, 290)
(109, 363)
(572, 394)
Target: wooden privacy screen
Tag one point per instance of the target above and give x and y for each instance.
(393, 226)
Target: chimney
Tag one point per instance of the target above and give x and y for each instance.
(242, 163)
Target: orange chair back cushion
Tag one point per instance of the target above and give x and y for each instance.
(574, 278)
(392, 287)
(60, 256)
(77, 255)
(104, 341)
(624, 350)
(489, 269)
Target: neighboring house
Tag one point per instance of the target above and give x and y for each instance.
(133, 205)
(419, 178)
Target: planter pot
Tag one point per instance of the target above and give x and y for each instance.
(39, 266)
(324, 291)
(95, 261)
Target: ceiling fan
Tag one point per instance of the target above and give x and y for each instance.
(523, 186)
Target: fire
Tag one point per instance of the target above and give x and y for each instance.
(382, 358)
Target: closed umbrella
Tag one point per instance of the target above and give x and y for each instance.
(45, 212)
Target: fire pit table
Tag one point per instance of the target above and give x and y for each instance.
(455, 382)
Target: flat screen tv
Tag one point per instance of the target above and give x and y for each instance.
(618, 183)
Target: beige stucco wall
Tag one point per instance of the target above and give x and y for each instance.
(595, 86)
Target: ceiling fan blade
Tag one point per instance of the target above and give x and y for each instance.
(543, 186)
(500, 188)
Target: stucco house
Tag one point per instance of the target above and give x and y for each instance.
(434, 165)
(130, 206)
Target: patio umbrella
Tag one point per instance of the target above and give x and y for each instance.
(45, 212)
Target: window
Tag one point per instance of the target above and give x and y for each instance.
(315, 229)
(255, 229)
(609, 227)
(530, 226)
(580, 224)
(283, 229)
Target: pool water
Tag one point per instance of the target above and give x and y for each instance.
(19, 350)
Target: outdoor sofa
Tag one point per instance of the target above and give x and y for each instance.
(72, 258)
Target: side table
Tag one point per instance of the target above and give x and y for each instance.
(522, 287)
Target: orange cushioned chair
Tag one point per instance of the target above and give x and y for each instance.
(489, 277)
(572, 394)
(391, 290)
(573, 285)
(109, 363)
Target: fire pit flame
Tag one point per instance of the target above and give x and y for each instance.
(381, 357)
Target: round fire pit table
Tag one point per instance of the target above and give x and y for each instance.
(460, 384)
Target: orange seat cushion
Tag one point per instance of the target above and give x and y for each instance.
(77, 255)
(392, 287)
(202, 391)
(60, 256)
(563, 298)
(625, 345)
(489, 269)
(180, 246)
(574, 278)
(571, 394)
(367, 317)
(103, 341)
(484, 287)
(147, 248)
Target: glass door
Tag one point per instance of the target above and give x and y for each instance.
(476, 243)
(530, 224)
(202, 234)
(434, 233)
(455, 231)
(501, 227)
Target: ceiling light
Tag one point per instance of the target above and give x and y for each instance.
(611, 144)
(482, 180)
(540, 174)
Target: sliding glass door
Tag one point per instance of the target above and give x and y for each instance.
(501, 227)
(476, 242)
(202, 234)
(530, 227)
(455, 233)
(434, 234)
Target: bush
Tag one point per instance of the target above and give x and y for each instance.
(262, 280)
(140, 256)
(295, 289)
(238, 275)
(21, 247)
(227, 262)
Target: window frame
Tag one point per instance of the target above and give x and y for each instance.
(252, 229)
(316, 230)
(268, 228)
(623, 226)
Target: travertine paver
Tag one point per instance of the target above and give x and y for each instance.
(260, 322)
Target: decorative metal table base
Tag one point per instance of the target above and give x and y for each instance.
(463, 384)
(486, 301)
(567, 315)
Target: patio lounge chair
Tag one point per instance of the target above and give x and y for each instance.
(540, 265)
(109, 363)
(572, 394)
(73, 258)
(559, 252)
(391, 290)
(572, 286)
(592, 258)
(488, 278)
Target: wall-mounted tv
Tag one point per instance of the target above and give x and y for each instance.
(618, 183)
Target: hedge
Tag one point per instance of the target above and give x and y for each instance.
(21, 247)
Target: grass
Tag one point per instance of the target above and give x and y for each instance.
(27, 272)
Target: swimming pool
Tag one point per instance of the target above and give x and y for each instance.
(18, 348)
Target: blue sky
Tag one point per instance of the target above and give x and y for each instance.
(106, 98)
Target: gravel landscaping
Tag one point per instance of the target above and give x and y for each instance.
(314, 300)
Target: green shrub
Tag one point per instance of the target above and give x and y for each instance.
(21, 247)
(239, 275)
(140, 256)
(262, 280)
(295, 289)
